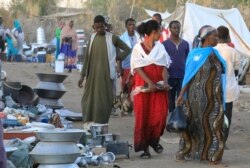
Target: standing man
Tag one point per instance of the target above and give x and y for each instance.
(130, 37)
(232, 58)
(99, 72)
(164, 32)
(178, 50)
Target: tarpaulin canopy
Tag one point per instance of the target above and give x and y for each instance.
(193, 17)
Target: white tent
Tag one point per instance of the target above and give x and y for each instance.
(193, 17)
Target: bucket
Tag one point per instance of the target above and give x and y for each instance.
(59, 66)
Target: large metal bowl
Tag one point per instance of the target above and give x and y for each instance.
(55, 152)
(60, 135)
(57, 78)
(58, 166)
(50, 86)
(51, 94)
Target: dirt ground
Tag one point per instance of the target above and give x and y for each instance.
(238, 155)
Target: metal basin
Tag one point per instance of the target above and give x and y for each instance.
(55, 152)
(51, 103)
(58, 166)
(26, 95)
(60, 135)
(51, 94)
(57, 78)
(50, 86)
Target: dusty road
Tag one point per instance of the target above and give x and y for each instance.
(238, 155)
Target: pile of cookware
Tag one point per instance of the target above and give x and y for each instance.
(111, 141)
(50, 89)
(57, 147)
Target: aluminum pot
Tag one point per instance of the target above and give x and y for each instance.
(52, 103)
(50, 86)
(98, 129)
(51, 94)
(60, 135)
(55, 152)
(57, 78)
(58, 166)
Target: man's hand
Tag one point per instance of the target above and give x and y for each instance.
(80, 82)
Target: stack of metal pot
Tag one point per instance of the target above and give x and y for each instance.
(50, 89)
(57, 148)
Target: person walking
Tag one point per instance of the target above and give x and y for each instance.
(232, 58)
(178, 50)
(149, 63)
(19, 35)
(69, 44)
(130, 37)
(99, 72)
(203, 89)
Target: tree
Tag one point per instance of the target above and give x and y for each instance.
(31, 7)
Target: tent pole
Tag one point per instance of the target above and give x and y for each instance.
(182, 21)
(132, 8)
(221, 16)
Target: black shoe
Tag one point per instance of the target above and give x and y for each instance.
(145, 155)
(158, 148)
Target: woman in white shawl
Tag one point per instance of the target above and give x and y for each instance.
(149, 63)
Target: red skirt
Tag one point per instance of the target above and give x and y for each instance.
(150, 111)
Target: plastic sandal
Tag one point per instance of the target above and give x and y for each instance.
(145, 155)
(158, 148)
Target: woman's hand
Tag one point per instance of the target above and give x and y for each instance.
(151, 86)
(179, 100)
(166, 86)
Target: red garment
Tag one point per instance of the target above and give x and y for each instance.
(165, 34)
(125, 75)
(150, 111)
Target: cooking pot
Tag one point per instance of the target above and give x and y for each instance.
(26, 95)
(98, 129)
(55, 152)
(58, 166)
(60, 135)
(52, 103)
(57, 78)
(51, 94)
(50, 86)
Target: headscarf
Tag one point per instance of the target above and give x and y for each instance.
(67, 31)
(17, 25)
(203, 33)
(197, 57)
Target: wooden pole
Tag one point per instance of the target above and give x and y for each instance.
(132, 8)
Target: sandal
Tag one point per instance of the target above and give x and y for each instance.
(158, 148)
(145, 154)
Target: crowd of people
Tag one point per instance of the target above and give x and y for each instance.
(202, 78)
(161, 72)
(14, 39)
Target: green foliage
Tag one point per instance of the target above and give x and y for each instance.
(24, 6)
(17, 7)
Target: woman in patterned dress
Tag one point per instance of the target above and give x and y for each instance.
(203, 91)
